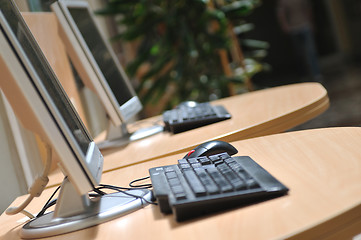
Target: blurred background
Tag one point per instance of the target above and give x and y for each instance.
(268, 51)
(337, 32)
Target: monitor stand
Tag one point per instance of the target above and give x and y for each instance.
(118, 136)
(74, 212)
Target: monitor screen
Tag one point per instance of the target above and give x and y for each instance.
(101, 54)
(48, 79)
(97, 59)
(50, 92)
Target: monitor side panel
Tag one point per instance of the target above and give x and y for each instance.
(42, 93)
(101, 56)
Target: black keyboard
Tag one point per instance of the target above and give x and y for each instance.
(185, 118)
(203, 185)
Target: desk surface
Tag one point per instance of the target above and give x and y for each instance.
(254, 114)
(321, 167)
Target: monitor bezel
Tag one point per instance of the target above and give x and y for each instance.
(79, 52)
(74, 164)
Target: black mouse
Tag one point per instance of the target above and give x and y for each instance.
(211, 148)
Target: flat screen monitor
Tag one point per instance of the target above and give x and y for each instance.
(98, 66)
(42, 106)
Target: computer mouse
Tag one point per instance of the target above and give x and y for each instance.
(187, 104)
(211, 148)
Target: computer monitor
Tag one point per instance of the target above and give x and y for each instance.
(42, 106)
(100, 70)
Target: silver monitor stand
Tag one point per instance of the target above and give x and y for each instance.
(118, 136)
(74, 212)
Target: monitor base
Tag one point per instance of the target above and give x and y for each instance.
(119, 136)
(100, 209)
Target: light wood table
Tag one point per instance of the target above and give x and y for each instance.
(321, 167)
(254, 114)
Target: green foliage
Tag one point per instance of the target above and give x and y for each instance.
(179, 41)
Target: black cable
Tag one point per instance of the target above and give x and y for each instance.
(48, 203)
(148, 185)
(99, 192)
(106, 186)
(123, 190)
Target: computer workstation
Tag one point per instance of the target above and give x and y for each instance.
(100, 70)
(29, 81)
(320, 167)
(253, 114)
(296, 155)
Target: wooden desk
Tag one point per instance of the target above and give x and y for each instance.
(321, 167)
(254, 114)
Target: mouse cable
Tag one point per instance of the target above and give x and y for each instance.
(49, 203)
(148, 185)
(124, 190)
(36, 188)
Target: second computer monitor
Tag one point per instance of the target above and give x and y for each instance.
(96, 62)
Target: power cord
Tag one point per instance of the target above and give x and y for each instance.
(148, 185)
(123, 190)
(36, 188)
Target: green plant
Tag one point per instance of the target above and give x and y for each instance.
(179, 43)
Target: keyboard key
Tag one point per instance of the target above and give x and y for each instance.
(195, 183)
(230, 161)
(185, 166)
(178, 192)
(177, 189)
(168, 169)
(204, 160)
(182, 161)
(180, 196)
(174, 182)
(196, 165)
(251, 183)
(218, 162)
(207, 181)
(220, 180)
(192, 160)
(170, 175)
(232, 177)
(224, 156)
(214, 158)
